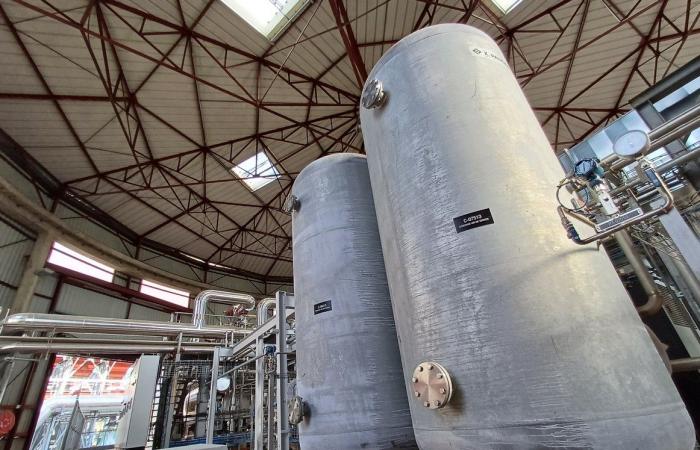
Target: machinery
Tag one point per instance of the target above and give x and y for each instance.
(132, 431)
(194, 383)
(519, 337)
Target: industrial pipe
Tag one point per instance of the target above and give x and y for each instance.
(675, 128)
(663, 209)
(661, 135)
(79, 340)
(229, 298)
(57, 346)
(654, 298)
(685, 365)
(663, 168)
(263, 309)
(82, 324)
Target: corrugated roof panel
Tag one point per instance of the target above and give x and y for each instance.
(231, 84)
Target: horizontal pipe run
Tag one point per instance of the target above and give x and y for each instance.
(78, 340)
(685, 365)
(660, 136)
(663, 168)
(81, 324)
(90, 348)
(682, 124)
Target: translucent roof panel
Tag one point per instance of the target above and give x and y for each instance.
(256, 171)
(269, 17)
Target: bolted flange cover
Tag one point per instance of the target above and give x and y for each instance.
(432, 385)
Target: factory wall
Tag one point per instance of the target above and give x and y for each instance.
(52, 294)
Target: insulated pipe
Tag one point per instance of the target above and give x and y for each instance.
(675, 128)
(81, 340)
(229, 298)
(654, 298)
(83, 324)
(55, 346)
(263, 309)
(661, 169)
(661, 135)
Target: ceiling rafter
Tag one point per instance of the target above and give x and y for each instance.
(178, 169)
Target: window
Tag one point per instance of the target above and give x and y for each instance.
(677, 95)
(70, 259)
(166, 293)
(256, 171)
(269, 17)
(506, 5)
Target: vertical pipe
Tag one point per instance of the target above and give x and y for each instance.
(270, 411)
(654, 299)
(283, 302)
(259, 399)
(211, 414)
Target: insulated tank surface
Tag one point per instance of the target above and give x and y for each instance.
(349, 369)
(541, 343)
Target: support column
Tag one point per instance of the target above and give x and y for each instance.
(28, 282)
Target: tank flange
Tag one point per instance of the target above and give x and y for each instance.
(432, 385)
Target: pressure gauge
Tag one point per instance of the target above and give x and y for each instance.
(631, 144)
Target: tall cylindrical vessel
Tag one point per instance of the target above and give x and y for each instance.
(349, 368)
(542, 344)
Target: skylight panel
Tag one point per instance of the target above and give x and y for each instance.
(269, 17)
(506, 6)
(256, 171)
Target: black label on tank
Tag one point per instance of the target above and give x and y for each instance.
(322, 307)
(473, 220)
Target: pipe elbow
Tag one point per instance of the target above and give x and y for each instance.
(653, 305)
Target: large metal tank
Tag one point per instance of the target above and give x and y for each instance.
(349, 368)
(535, 336)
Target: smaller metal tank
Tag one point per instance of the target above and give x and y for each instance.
(349, 370)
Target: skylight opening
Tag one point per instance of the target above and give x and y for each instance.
(70, 259)
(268, 17)
(170, 295)
(506, 6)
(256, 171)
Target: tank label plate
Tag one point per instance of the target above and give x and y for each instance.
(322, 307)
(473, 220)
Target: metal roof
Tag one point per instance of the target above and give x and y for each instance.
(139, 109)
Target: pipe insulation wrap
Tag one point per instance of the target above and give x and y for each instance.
(349, 368)
(543, 344)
